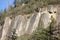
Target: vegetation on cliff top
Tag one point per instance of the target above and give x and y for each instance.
(28, 6)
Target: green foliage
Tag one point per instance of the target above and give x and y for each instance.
(39, 2)
(53, 2)
(25, 37)
(2, 16)
(29, 6)
(40, 34)
(59, 36)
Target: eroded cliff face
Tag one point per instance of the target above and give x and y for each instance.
(6, 28)
(22, 25)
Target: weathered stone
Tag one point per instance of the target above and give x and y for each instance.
(21, 25)
(6, 27)
(32, 23)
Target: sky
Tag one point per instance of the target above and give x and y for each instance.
(4, 4)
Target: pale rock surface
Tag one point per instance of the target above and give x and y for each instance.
(32, 23)
(45, 19)
(21, 25)
(6, 27)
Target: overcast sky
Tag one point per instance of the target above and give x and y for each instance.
(4, 4)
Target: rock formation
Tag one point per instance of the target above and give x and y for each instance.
(22, 25)
(6, 28)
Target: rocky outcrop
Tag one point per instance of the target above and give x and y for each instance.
(22, 25)
(6, 28)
